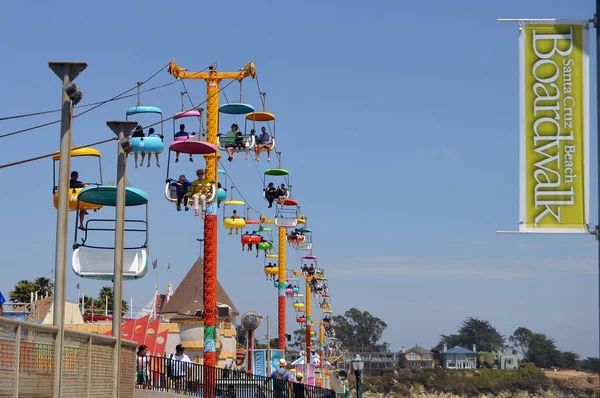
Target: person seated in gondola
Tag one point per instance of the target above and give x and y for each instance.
(281, 193)
(271, 194)
(325, 288)
(152, 133)
(181, 189)
(219, 186)
(200, 191)
(252, 137)
(181, 134)
(234, 216)
(138, 132)
(305, 270)
(263, 141)
(311, 270)
(254, 233)
(249, 244)
(231, 140)
(268, 266)
(74, 183)
(292, 237)
(239, 141)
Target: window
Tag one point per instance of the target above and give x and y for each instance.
(412, 356)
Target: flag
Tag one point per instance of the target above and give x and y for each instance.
(2, 299)
(155, 264)
(77, 285)
(169, 266)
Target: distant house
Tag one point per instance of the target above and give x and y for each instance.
(376, 363)
(416, 358)
(507, 360)
(458, 358)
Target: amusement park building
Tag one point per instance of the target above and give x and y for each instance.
(185, 309)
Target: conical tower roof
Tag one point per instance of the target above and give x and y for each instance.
(187, 298)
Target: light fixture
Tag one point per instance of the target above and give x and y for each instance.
(358, 364)
(72, 90)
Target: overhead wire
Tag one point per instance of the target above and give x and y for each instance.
(97, 105)
(88, 105)
(54, 153)
(150, 125)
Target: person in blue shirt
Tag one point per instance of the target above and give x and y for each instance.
(263, 142)
(281, 380)
(181, 188)
(181, 135)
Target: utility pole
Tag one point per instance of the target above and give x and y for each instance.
(67, 72)
(268, 345)
(597, 26)
(122, 129)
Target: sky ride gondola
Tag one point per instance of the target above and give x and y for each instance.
(97, 262)
(236, 140)
(265, 141)
(301, 238)
(150, 143)
(153, 142)
(193, 146)
(234, 220)
(77, 187)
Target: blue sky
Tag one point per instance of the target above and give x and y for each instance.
(397, 120)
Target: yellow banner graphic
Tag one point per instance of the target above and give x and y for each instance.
(554, 131)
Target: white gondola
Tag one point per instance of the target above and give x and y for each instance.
(171, 192)
(93, 261)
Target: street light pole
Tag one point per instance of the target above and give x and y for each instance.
(122, 129)
(268, 345)
(201, 247)
(67, 72)
(358, 365)
(597, 26)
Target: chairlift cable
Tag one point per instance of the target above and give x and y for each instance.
(94, 106)
(54, 153)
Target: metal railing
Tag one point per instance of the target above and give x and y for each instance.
(166, 374)
(27, 362)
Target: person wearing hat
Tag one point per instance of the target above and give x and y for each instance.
(298, 390)
(232, 140)
(281, 380)
(177, 367)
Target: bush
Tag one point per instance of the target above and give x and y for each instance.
(462, 383)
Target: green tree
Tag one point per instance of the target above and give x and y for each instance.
(242, 335)
(21, 292)
(542, 351)
(299, 340)
(360, 331)
(474, 331)
(520, 340)
(105, 293)
(43, 286)
(590, 363)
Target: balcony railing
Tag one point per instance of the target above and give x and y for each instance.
(166, 374)
(27, 362)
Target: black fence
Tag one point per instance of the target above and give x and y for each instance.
(166, 374)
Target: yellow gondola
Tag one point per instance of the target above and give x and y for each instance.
(234, 220)
(298, 305)
(271, 270)
(74, 192)
(272, 255)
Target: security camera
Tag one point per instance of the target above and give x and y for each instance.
(126, 145)
(72, 90)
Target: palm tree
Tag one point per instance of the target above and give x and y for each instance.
(105, 293)
(43, 286)
(21, 292)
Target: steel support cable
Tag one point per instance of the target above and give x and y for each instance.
(53, 153)
(95, 106)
